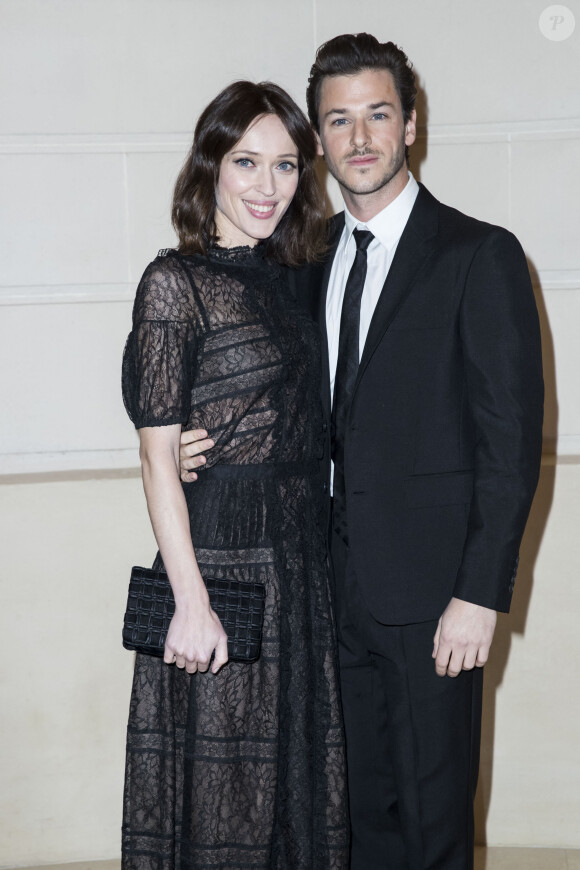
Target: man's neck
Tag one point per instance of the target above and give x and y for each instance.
(365, 206)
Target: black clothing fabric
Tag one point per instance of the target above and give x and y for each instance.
(443, 439)
(442, 451)
(346, 369)
(412, 739)
(243, 769)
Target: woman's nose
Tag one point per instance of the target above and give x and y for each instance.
(266, 182)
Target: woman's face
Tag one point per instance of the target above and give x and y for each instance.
(257, 181)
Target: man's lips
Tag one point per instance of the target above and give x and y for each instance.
(366, 160)
(261, 210)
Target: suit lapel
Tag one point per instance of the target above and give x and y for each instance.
(336, 227)
(415, 246)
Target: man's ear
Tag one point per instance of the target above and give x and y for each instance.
(319, 148)
(411, 129)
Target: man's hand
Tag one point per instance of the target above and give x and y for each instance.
(191, 447)
(463, 637)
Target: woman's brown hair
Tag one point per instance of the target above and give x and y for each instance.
(301, 234)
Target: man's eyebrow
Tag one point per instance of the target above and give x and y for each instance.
(373, 106)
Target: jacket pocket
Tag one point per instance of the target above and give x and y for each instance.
(428, 490)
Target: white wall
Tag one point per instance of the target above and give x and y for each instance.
(99, 98)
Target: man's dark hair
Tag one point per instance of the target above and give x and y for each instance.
(301, 234)
(353, 53)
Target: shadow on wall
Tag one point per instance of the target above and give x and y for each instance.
(515, 623)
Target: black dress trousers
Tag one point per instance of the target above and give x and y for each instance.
(412, 739)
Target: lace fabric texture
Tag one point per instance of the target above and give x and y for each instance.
(244, 769)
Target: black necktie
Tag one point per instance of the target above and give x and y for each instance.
(346, 372)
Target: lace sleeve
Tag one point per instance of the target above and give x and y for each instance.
(159, 357)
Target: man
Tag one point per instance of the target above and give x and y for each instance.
(433, 391)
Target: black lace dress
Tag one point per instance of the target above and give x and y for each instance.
(244, 769)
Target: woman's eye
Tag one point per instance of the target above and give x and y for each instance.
(244, 162)
(286, 166)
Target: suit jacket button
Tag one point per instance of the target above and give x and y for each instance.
(324, 487)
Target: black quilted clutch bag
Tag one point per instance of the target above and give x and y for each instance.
(150, 606)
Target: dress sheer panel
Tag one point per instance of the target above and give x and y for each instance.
(244, 769)
(159, 358)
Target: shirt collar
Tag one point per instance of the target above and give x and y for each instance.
(388, 225)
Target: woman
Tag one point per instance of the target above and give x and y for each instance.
(234, 765)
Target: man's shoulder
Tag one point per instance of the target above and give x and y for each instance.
(459, 226)
(335, 223)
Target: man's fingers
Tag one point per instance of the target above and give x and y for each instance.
(442, 659)
(482, 656)
(190, 435)
(436, 640)
(464, 637)
(193, 462)
(469, 659)
(193, 449)
(455, 665)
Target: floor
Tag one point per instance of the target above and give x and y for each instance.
(525, 859)
(485, 859)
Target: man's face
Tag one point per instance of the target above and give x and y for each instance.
(362, 134)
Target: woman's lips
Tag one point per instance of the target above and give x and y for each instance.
(261, 210)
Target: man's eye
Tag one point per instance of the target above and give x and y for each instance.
(339, 122)
(379, 116)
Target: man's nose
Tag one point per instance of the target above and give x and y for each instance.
(360, 134)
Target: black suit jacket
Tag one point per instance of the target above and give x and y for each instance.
(443, 443)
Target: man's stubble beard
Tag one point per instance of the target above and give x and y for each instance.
(398, 160)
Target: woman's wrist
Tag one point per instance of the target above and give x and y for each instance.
(191, 596)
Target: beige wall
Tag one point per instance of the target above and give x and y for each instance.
(99, 98)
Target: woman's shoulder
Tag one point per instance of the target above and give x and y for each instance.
(166, 262)
(165, 283)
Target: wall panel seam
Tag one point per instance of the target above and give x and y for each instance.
(564, 449)
(79, 294)
(177, 141)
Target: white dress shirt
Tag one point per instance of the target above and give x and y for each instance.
(387, 228)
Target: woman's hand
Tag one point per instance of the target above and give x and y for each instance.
(194, 633)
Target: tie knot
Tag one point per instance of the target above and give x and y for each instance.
(363, 238)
